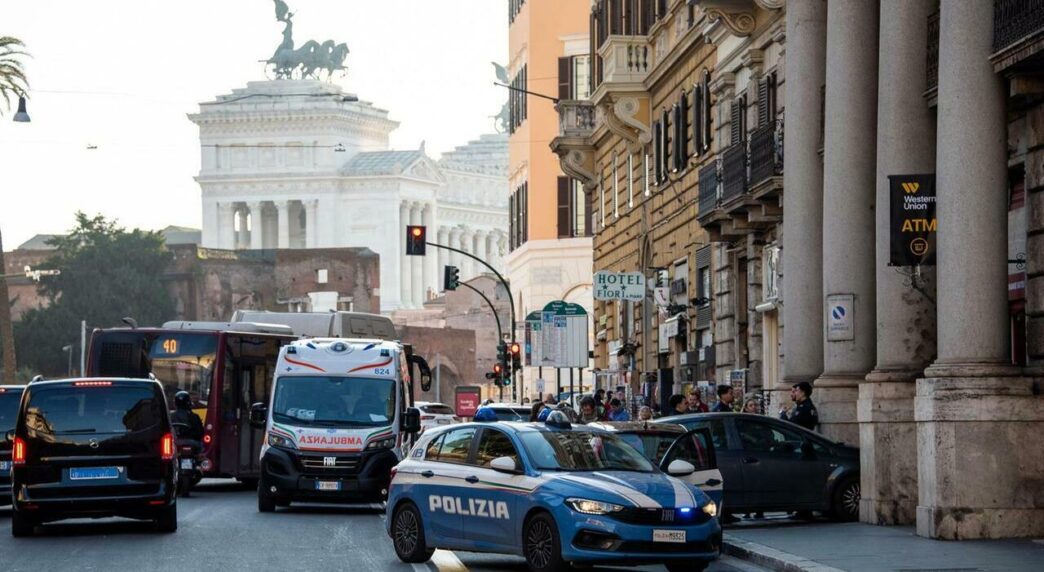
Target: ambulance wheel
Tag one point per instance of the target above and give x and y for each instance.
(265, 503)
(541, 546)
(408, 535)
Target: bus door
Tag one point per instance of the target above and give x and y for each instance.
(254, 370)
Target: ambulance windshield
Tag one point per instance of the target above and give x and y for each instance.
(322, 401)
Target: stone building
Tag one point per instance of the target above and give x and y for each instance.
(935, 370)
(302, 164)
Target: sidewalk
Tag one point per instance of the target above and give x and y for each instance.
(829, 547)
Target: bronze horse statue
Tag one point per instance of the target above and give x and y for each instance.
(311, 58)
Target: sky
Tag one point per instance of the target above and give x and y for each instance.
(121, 75)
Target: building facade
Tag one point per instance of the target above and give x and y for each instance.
(934, 369)
(549, 229)
(301, 164)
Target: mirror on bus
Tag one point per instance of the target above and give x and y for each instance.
(411, 420)
(258, 415)
(425, 371)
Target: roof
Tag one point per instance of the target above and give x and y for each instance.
(381, 162)
(487, 155)
(39, 242)
(92, 379)
(182, 235)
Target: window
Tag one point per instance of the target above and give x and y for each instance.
(581, 210)
(518, 216)
(645, 177)
(456, 446)
(693, 449)
(767, 100)
(738, 123)
(514, 7)
(574, 214)
(432, 452)
(716, 428)
(581, 77)
(665, 145)
(321, 276)
(517, 111)
(494, 444)
(101, 410)
(765, 438)
(703, 283)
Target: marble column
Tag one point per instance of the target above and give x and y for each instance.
(243, 235)
(311, 222)
(979, 424)
(226, 226)
(803, 200)
(480, 249)
(849, 170)
(257, 226)
(905, 317)
(284, 223)
(443, 238)
(416, 262)
(455, 258)
(430, 257)
(501, 248)
(406, 266)
(467, 239)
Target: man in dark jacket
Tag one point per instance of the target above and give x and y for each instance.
(725, 399)
(803, 412)
(183, 414)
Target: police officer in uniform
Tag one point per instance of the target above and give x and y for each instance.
(803, 412)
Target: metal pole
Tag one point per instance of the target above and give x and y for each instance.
(491, 269)
(558, 383)
(572, 391)
(83, 346)
(438, 377)
(500, 332)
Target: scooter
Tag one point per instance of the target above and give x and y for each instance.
(189, 461)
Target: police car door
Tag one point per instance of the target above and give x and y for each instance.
(697, 448)
(491, 496)
(445, 476)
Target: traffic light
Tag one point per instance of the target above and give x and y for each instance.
(498, 375)
(516, 356)
(501, 367)
(416, 240)
(501, 353)
(451, 278)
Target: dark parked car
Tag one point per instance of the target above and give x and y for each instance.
(93, 448)
(10, 397)
(769, 465)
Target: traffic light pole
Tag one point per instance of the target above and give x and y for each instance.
(500, 332)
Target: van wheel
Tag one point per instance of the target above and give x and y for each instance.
(21, 525)
(407, 533)
(845, 503)
(167, 520)
(541, 546)
(265, 503)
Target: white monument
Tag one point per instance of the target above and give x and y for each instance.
(299, 163)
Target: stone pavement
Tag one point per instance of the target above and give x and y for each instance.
(792, 546)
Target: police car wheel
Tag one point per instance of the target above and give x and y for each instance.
(408, 535)
(846, 500)
(541, 546)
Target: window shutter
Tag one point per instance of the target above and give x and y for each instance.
(665, 147)
(565, 78)
(678, 150)
(587, 197)
(736, 127)
(511, 222)
(564, 229)
(697, 121)
(763, 102)
(657, 144)
(708, 124)
(683, 129)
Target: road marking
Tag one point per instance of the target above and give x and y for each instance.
(446, 561)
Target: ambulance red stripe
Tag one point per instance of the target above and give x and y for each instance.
(372, 365)
(303, 364)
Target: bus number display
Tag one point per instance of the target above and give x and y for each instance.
(170, 346)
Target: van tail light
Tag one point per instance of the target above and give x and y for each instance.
(18, 451)
(167, 447)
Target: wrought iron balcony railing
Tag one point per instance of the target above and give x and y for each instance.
(1014, 20)
(766, 152)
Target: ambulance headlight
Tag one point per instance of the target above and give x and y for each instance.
(593, 507)
(381, 444)
(711, 509)
(280, 441)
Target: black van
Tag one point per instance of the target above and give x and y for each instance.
(10, 397)
(93, 448)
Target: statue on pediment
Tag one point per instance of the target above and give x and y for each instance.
(309, 60)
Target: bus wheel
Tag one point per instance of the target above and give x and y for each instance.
(265, 503)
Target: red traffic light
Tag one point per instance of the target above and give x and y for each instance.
(516, 348)
(497, 369)
(416, 231)
(415, 240)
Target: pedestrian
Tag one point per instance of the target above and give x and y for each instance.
(525, 401)
(803, 412)
(550, 399)
(600, 407)
(677, 405)
(621, 394)
(534, 411)
(750, 404)
(617, 411)
(694, 403)
(725, 399)
(589, 410)
(645, 413)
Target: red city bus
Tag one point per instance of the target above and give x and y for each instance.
(225, 368)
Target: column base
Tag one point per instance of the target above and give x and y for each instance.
(888, 447)
(835, 396)
(979, 456)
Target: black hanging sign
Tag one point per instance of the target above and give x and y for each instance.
(913, 225)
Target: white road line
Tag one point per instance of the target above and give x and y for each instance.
(446, 561)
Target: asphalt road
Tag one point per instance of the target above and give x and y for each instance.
(219, 528)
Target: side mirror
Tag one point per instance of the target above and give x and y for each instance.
(504, 465)
(258, 415)
(680, 468)
(411, 420)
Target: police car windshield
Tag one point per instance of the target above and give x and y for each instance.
(582, 451)
(334, 401)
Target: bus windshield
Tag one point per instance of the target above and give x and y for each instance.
(180, 361)
(322, 401)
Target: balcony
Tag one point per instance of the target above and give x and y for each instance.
(576, 118)
(766, 159)
(709, 192)
(576, 125)
(1018, 34)
(733, 172)
(625, 60)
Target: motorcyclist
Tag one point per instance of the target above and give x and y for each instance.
(183, 414)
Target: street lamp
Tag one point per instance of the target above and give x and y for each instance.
(68, 349)
(22, 116)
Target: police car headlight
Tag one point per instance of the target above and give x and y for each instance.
(280, 441)
(711, 509)
(381, 444)
(593, 507)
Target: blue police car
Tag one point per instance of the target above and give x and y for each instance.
(554, 493)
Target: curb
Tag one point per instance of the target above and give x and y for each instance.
(768, 557)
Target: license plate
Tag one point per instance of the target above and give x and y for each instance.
(328, 485)
(186, 463)
(5, 465)
(90, 473)
(669, 536)
(443, 421)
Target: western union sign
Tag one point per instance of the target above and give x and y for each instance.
(913, 225)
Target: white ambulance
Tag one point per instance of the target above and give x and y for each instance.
(339, 418)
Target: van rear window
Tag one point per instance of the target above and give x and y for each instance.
(86, 410)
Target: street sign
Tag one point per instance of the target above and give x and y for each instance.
(467, 399)
(557, 336)
(840, 317)
(913, 225)
(619, 286)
